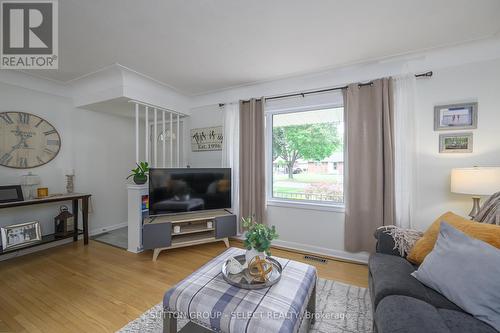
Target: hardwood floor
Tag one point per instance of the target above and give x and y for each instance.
(99, 288)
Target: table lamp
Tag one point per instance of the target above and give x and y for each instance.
(476, 181)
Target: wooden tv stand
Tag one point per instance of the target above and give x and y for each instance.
(158, 231)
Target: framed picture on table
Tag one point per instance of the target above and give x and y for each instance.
(20, 235)
(11, 193)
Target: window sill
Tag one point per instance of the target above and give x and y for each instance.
(306, 205)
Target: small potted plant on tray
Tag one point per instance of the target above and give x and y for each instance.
(258, 238)
(140, 173)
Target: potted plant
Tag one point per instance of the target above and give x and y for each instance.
(140, 173)
(258, 238)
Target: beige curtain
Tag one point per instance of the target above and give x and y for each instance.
(369, 115)
(252, 160)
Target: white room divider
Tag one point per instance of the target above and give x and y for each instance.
(152, 152)
(170, 155)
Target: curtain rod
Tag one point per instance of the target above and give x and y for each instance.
(426, 74)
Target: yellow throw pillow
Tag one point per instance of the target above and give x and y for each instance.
(488, 233)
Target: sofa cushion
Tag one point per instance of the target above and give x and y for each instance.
(488, 233)
(475, 286)
(410, 315)
(391, 275)
(461, 322)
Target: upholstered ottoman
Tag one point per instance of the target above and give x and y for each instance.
(211, 304)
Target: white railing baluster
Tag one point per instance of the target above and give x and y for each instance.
(171, 142)
(150, 147)
(164, 154)
(155, 140)
(178, 143)
(136, 133)
(146, 129)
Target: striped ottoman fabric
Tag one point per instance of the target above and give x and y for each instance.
(209, 301)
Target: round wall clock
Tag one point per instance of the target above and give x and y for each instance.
(26, 140)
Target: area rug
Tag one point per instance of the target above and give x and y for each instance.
(341, 308)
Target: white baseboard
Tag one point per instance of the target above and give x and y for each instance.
(98, 231)
(361, 257)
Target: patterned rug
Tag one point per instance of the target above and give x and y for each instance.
(341, 308)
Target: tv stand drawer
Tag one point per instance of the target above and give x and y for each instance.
(225, 226)
(155, 235)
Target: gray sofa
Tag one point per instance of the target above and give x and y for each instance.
(402, 304)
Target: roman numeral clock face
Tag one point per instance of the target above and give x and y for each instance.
(26, 140)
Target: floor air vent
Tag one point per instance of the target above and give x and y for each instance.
(317, 259)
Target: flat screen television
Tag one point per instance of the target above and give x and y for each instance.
(188, 189)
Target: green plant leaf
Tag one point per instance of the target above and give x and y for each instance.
(141, 170)
(258, 236)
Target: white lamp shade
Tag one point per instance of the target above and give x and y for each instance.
(475, 181)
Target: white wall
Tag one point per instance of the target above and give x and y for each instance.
(104, 154)
(207, 116)
(100, 147)
(472, 82)
(460, 73)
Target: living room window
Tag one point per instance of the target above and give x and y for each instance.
(307, 156)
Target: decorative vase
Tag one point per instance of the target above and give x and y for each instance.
(139, 180)
(70, 183)
(252, 253)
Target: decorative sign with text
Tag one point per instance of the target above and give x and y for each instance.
(206, 139)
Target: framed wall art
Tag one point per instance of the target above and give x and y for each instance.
(455, 116)
(206, 139)
(455, 143)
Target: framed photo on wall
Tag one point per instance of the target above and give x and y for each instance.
(455, 143)
(455, 116)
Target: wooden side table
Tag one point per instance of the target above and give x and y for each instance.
(74, 198)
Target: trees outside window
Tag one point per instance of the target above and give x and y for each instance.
(307, 155)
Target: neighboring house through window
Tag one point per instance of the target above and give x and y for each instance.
(307, 156)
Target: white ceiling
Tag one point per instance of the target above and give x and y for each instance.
(206, 45)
